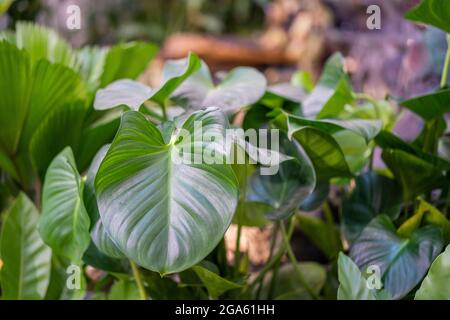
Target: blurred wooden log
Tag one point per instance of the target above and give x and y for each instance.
(223, 52)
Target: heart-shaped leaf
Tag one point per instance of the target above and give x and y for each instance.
(166, 214)
(64, 223)
(26, 259)
(433, 12)
(241, 87)
(373, 194)
(435, 285)
(402, 262)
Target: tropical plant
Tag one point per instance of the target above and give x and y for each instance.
(101, 171)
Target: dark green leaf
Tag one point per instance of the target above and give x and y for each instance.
(435, 285)
(402, 261)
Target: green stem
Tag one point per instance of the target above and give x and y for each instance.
(164, 111)
(446, 65)
(138, 278)
(295, 263)
(237, 252)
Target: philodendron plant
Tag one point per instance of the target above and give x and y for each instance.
(112, 189)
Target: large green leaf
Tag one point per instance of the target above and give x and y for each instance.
(126, 60)
(64, 223)
(352, 284)
(431, 105)
(435, 285)
(402, 262)
(433, 12)
(26, 270)
(373, 194)
(332, 92)
(15, 80)
(241, 87)
(286, 190)
(324, 152)
(166, 214)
